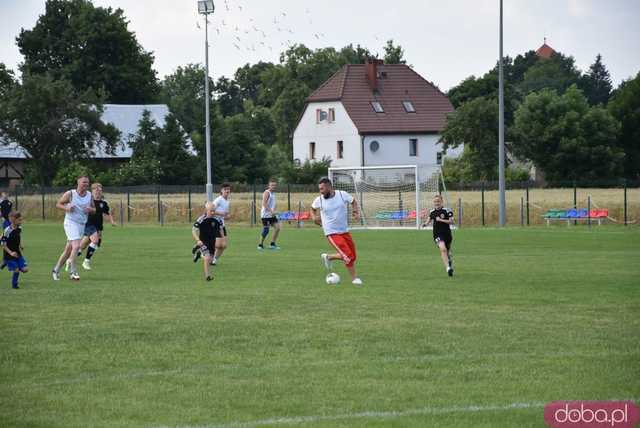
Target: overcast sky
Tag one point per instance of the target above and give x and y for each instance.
(445, 40)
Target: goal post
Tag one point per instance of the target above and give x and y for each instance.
(390, 197)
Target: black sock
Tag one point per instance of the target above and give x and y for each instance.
(90, 251)
(14, 279)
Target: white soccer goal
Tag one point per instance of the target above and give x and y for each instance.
(390, 196)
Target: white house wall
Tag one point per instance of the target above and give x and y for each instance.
(394, 150)
(326, 135)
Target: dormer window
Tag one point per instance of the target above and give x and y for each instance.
(408, 107)
(377, 107)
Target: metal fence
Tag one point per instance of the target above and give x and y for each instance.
(474, 204)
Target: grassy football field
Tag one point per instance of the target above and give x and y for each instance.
(531, 316)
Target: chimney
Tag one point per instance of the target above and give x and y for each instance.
(372, 72)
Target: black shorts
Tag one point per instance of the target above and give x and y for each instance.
(443, 238)
(208, 247)
(219, 229)
(269, 221)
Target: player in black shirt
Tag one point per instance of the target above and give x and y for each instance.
(94, 226)
(12, 248)
(5, 208)
(204, 231)
(442, 219)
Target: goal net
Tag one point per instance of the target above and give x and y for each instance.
(390, 196)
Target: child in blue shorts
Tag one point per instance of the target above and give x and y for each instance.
(12, 248)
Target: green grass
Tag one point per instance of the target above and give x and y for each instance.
(532, 315)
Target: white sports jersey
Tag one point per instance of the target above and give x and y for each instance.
(271, 203)
(79, 203)
(333, 212)
(221, 204)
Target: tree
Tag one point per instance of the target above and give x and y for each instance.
(475, 124)
(625, 106)
(53, 124)
(7, 80)
(393, 54)
(176, 163)
(239, 154)
(287, 109)
(229, 96)
(145, 141)
(249, 79)
(183, 92)
(596, 83)
(92, 48)
(566, 138)
(558, 72)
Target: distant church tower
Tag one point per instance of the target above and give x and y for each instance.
(545, 51)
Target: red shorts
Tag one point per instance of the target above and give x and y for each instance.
(345, 246)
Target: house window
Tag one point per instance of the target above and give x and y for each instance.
(408, 107)
(439, 158)
(332, 115)
(312, 150)
(413, 147)
(320, 115)
(377, 107)
(340, 150)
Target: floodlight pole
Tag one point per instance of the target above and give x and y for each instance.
(501, 183)
(206, 13)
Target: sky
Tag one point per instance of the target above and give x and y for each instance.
(444, 40)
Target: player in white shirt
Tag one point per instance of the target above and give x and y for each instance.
(77, 205)
(332, 207)
(221, 213)
(269, 217)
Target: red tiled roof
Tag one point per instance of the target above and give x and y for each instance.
(545, 51)
(349, 85)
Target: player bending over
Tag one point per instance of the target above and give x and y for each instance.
(204, 231)
(332, 205)
(269, 218)
(442, 219)
(12, 248)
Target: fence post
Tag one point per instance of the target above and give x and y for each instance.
(161, 212)
(128, 206)
(527, 194)
(189, 203)
(459, 212)
(252, 214)
(625, 202)
(288, 197)
(43, 216)
(17, 191)
(482, 203)
(299, 211)
(159, 206)
(575, 200)
(121, 213)
(589, 210)
(521, 211)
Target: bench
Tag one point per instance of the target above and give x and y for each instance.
(573, 214)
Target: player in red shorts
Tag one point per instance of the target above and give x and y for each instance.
(332, 205)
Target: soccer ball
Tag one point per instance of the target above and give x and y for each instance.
(333, 279)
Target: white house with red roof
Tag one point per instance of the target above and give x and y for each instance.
(373, 114)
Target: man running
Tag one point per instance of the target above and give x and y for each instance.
(332, 205)
(77, 205)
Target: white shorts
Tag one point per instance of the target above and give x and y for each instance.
(74, 231)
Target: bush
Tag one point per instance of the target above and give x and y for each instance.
(68, 174)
